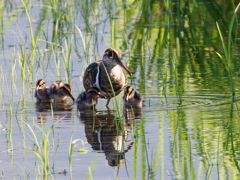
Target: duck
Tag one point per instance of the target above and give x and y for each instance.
(60, 91)
(42, 91)
(107, 75)
(88, 99)
(132, 98)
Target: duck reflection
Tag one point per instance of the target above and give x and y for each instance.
(131, 115)
(106, 133)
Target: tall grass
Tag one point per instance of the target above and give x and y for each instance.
(67, 60)
(85, 45)
(41, 149)
(1, 24)
(10, 128)
(2, 85)
(34, 39)
(142, 162)
(228, 51)
(70, 153)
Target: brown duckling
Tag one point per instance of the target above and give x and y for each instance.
(88, 99)
(132, 98)
(41, 91)
(60, 91)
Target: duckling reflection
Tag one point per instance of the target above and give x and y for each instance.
(88, 99)
(132, 115)
(48, 106)
(61, 111)
(103, 135)
(45, 114)
(41, 91)
(132, 98)
(60, 91)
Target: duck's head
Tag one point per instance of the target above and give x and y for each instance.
(59, 83)
(94, 93)
(40, 83)
(112, 57)
(128, 93)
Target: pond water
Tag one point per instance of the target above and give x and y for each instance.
(189, 126)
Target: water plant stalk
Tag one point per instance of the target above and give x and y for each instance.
(227, 48)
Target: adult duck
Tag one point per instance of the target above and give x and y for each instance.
(107, 75)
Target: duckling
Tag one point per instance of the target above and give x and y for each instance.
(88, 99)
(41, 91)
(132, 98)
(60, 91)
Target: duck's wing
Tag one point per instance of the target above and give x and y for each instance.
(90, 75)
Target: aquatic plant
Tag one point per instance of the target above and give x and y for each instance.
(228, 48)
(42, 147)
(42, 144)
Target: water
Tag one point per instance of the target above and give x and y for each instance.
(188, 127)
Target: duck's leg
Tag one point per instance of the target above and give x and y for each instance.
(108, 102)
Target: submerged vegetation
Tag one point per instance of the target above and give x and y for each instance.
(184, 56)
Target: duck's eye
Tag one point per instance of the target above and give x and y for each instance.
(41, 83)
(110, 54)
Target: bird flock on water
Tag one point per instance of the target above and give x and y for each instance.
(102, 79)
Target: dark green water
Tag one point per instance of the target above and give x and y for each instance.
(189, 126)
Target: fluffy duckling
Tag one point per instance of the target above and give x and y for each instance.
(132, 98)
(88, 99)
(41, 91)
(60, 91)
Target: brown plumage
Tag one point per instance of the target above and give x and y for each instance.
(60, 91)
(41, 91)
(98, 73)
(88, 99)
(132, 98)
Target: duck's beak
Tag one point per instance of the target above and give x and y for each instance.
(123, 66)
